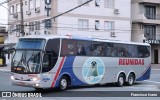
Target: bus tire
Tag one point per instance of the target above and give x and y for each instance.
(121, 80)
(131, 79)
(63, 84)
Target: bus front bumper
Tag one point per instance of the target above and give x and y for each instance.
(35, 84)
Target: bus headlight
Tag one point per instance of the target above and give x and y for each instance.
(12, 78)
(34, 79)
(37, 85)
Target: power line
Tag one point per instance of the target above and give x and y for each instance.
(71, 9)
(64, 12)
(5, 2)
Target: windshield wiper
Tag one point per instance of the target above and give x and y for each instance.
(29, 60)
(22, 62)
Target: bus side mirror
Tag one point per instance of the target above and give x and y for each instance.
(11, 50)
(47, 62)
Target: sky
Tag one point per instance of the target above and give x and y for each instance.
(3, 14)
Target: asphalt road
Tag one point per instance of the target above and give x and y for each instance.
(153, 84)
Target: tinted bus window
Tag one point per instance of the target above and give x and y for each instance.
(109, 49)
(53, 46)
(51, 56)
(98, 49)
(143, 51)
(68, 47)
(124, 50)
(121, 50)
(132, 50)
(83, 48)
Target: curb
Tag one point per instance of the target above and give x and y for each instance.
(5, 70)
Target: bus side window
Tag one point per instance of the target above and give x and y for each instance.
(109, 49)
(143, 51)
(68, 47)
(98, 49)
(47, 63)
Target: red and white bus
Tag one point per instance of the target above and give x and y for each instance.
(62, 61)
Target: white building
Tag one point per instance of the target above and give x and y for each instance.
(146, 25)
(107, 19)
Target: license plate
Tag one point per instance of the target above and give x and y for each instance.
(21, 83)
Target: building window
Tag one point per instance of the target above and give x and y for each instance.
(37, 3)
(150, 12)
(150, 32)
(109, 25)
(83, 1)
(18, 28)
(11, 28)
(83, 24)
(31, 26)
(97, 25)
(17, 8)
(12, 9)
(48, 23)
(31, 4)
(97, 3)
(37, 25)
(109, 3)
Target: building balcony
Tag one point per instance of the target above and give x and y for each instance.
(153, 17)
(147, 1)
(148, 19)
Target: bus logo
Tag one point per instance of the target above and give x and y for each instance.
(93, 70)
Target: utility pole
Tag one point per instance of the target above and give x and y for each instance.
(22, 20)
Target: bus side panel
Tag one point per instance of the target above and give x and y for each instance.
(145, 75)
(112, 68)
(67, 69)
(108, 69)
(48, 78)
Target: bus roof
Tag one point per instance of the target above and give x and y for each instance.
(81, 38)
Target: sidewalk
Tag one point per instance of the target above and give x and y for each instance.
(8, 67)
(5, 68)
(155, 66)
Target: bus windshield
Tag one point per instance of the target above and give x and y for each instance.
(26, 62)
(26, 59)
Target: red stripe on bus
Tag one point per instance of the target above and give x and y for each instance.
(58, 71)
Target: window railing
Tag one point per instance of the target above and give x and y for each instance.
(153, 17)
(152, 37)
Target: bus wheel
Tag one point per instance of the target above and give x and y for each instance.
(63, 83)
(130, 80)
(121, 80)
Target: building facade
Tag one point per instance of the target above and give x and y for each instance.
(3, 34)
(107, 19)
(146, 25)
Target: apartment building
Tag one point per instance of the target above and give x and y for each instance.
(107, 19)
(146, 25)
